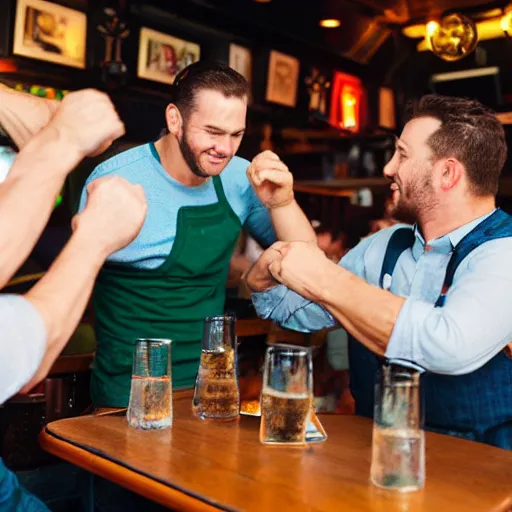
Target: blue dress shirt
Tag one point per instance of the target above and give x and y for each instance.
(472, 327)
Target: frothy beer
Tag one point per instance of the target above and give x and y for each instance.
(284, 416)
(216, 393)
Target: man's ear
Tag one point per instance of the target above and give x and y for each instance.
(173, 119)
(452, 173)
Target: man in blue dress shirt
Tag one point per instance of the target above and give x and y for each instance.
(437, 294)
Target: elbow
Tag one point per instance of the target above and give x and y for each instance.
(448, 350)
(445, 366)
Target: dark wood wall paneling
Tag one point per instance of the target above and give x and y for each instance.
(210, 28)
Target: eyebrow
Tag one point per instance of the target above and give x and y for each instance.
(400, 143)
(220, 130)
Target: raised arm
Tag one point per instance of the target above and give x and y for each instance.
(23, 115)
(273, 183)
(85, 123)
(113, 216)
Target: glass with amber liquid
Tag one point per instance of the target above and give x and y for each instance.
(217, 391)
(150, 404)
(287, 394)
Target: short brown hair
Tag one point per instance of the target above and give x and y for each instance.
(469, 132)
(206, 75)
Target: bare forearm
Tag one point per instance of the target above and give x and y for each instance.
(28, 194)
(62, 295)
(258, 277)
(22, 115)
(291, 224)
(366, 311)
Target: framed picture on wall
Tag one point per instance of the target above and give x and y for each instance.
(162, 57)
(282, 81)
(240, 59)
(50, 32)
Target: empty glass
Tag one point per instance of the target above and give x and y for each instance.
(151, 390)
(217, 391)
(287, 394)
(398, 447)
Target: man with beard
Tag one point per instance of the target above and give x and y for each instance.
(173, 274)
(436, 294)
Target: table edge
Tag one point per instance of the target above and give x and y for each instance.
(126, 476)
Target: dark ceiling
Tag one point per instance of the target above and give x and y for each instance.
(405, 10)
(365, 24)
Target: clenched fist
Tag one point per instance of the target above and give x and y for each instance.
(114, 213)
(87, 121)
(300, 267)
(271, 180)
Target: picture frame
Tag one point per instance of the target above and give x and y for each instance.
(240, 59)
(282, 79)
(50, 32)
(162, 56)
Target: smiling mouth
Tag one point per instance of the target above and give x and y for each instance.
(215, 157)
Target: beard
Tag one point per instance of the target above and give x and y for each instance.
(415, 202)
(190, 158)
(404, 211)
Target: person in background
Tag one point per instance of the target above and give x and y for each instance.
(436, 293)
(199, 195)
(35, 327)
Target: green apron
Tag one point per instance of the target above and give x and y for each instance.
(170, 301)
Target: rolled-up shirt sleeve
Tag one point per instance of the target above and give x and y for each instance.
(473, 325)
(292, 311)
(22, 343)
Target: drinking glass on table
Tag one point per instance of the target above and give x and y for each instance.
(217, 390)
(398, 447)
(150, 404)
(286, 395)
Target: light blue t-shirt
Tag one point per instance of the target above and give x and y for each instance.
(165, 196)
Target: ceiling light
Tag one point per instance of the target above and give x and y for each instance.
(330, 23)
(454, 37)
(506, 21)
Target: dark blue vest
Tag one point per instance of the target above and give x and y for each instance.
(476, 405)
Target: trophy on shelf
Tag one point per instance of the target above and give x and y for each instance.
(113, 70)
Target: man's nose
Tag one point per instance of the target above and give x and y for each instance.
(224, 146)
(390, 168)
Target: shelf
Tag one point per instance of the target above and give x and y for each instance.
(336, 187)
(346, 183)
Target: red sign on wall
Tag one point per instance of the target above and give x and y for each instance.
(347, 102)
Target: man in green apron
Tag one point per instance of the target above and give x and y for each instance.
(173, 275)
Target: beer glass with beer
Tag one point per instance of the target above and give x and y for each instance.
(287, 394)
(217, 392)
(398, 447)
(150, 404)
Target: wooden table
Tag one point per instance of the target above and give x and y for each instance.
(202, 466)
